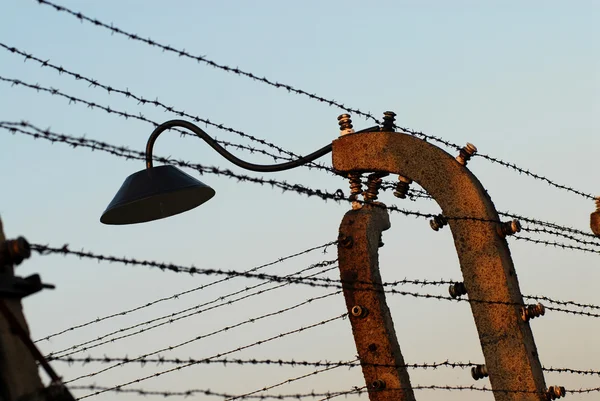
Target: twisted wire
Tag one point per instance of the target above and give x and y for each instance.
(160, 360)
(555, 244)
(291, 89)
(179, 367)
(170, 348)
(169, 319)
(141, 117)
(283, 185)
(179, 294)
(141, 100)
(309, 281)
(287, 381)
(206, 392)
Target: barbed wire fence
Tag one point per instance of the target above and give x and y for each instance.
(573, 239)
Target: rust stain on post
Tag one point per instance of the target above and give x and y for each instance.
(370, 317)
(510, 353)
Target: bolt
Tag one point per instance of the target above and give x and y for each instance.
(13, 252)
(555, 392)
(529, 312)
(509, 228)
(345, 123)
(381, 244)
(457, 289)
(595, 218)
(373, 185)
(479, 372)
(402, 187)
(465, 153)
(345, 240)
(372, 347)
(388, 121)
(359, 311)
(438, 222)
(378, 384)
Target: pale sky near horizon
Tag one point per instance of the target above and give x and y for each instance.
(520, 81)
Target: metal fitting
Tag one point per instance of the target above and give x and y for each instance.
(479, 372)
(373, 186)
(389, 117)
(595, 219)
(457, 289)
(345, 123)
(355, 189)
(555, 392)
(380, 244)
(345, 241)
(13, 252)
(465, 153)
(378, 384)
(359, 311)
(529, 312)
(438, 222)
(402, 187)
(509, 228)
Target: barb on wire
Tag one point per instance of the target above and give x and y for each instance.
(291, 89)
(141, 100)
(179, 294)
(169, 320)
(179, 367)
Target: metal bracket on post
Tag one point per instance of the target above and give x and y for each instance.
(372, 326)
(507, 342)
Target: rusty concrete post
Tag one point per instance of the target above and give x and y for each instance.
(509, 349)
(19, 377)
(372, 325)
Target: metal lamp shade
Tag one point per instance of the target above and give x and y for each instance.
(155, 193)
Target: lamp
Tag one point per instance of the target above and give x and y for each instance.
(158, 192)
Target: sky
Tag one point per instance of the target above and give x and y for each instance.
(519, 80)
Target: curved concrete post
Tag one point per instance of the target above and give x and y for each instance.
(374, 335)
(507, 341)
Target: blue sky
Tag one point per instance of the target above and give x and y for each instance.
(520, 81)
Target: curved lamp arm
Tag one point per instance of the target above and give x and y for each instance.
(238, 162)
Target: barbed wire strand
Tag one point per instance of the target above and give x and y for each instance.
(140, 117)
(179, 294)
(160, 360)
(283, 185)
(291, 89)
(328, 395)
(206, 392)
(309, 281)
(287, 381)
(197, 338)
(169, 319)
(260, 342)
(144, 101)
